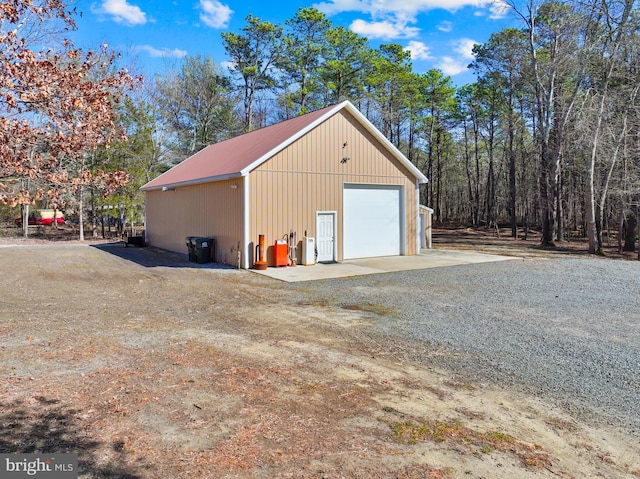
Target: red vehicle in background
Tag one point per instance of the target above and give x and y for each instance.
(43, 218)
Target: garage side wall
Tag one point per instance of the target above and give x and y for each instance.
(309, 176)
(211, 209)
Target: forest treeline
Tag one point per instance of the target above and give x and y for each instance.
(546, 137)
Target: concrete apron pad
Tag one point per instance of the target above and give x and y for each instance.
(432, 258)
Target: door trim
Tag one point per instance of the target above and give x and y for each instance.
(335, 233)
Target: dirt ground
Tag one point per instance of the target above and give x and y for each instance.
(153, 368)
(526, 244)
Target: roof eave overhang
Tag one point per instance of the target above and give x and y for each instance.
(292, 139)
(198, 181)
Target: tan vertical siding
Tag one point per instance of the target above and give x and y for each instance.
(212, 209)
(308, 176)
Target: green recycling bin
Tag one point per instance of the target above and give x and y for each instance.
(204, 248)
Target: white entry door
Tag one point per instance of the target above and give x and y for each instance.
(326, 236)
(372, 221)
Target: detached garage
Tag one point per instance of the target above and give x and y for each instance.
(330, 175)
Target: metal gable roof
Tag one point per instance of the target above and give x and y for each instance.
(238, 156)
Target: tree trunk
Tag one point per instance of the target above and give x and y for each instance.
(438, 179)
(467, 163)
(559, 210)
(512, 161)
(476, 153)
(630, 232)
(512, 191)
(547, 206)
(590, 214)
(620, 233)
(80, 215)
(55, 218)
(25, 220)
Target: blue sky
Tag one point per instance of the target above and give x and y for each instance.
(154, 35)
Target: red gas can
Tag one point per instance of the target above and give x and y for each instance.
(281, 253)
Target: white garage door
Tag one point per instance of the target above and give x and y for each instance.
(372, 221)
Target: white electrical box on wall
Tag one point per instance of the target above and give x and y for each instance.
(308, 251)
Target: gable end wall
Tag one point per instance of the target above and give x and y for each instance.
(309, 175)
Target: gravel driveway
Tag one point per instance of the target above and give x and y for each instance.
(563, 329)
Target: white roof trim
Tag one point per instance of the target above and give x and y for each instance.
(197, 181)
(291, 139)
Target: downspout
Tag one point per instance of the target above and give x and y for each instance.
(146, 238)
(245, 211)
(418, 232)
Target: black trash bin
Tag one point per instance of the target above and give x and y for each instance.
(203, 249)
(212, 247)
(191, 246)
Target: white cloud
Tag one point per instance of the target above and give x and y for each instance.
(161, 53)
(451, 66)
(391, 18)
(336, 6)
(445, 27)
(464, 47)
(419, 51)
(455, 65)
(378, 8)
(215, 14)
(499, 9)
(384, 29)
(121, 12)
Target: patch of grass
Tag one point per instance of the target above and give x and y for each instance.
(307, 388)
(415, 431)
(423, 471)
(409, 432)
(561, 424)
(460, 386)
(314, 303)
(469, 413)
(391, 410)
(375, 308)
(439, 393)
(499, 437)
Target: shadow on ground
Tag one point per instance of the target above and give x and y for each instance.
(47, 426)
(150, 257)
